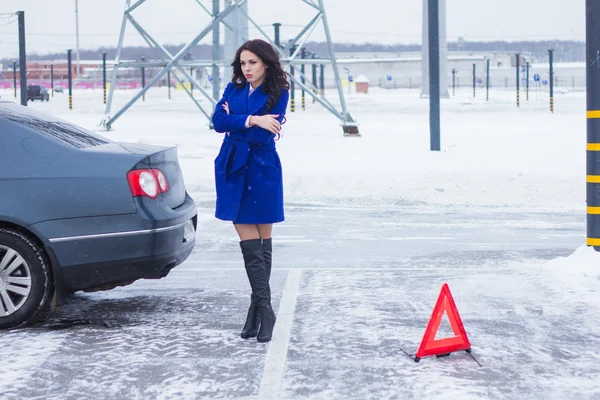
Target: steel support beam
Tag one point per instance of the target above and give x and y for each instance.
(173, 63)
(349, 125)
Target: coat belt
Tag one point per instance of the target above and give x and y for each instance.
(238, 152)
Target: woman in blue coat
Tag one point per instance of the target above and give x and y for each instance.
(248, 174)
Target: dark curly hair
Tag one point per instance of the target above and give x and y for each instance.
(276, 77)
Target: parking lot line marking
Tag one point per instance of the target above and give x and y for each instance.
(270, 384)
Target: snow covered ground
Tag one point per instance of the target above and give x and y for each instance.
(375, 225)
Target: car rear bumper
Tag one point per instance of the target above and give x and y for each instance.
(108, 274)
(96, 251)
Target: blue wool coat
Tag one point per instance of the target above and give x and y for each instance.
(248, 173)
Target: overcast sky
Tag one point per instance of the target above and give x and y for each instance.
(50, 24)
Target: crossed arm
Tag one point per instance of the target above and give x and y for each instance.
(223, 121)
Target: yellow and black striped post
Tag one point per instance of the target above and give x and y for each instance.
(593, 177)
(70, 78)
(104, 75)
(593, 122)
(487, 80)
(302, 72)
(518, 64)
(314, 78)
(52, 79)
(169, 83)
(15, 77)
(292, 86)
(143, 78)
(551, 79)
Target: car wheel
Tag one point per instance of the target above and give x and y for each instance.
(25, 279)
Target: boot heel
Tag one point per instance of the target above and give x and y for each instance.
(250, 329)
(267, 321)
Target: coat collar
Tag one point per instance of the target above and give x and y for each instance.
(256, 100)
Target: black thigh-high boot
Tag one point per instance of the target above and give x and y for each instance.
(252, 324)
(254, 261)
(250, 329)
(268, 255)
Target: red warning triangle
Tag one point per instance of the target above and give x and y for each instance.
(459, 342)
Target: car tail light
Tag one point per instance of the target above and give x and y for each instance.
(147, 182)
(162, 180)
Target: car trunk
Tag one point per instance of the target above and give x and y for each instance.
(150, 156)
(168, 163)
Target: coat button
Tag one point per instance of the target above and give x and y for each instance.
(249, 187)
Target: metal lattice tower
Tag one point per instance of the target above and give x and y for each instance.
(235, 18)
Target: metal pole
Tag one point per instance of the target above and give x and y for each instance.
(425, 50)
(474, 78)
(303, 56)
(52, 78)
(518, 64)
(314, 77)
(453, 81)
(551, 81)
(292, 86)
(434, 75)
(15, 77)
(593, 122)
(169, 83)
(487, 80)
(22, 58)
(527, 84)
(70, 74)
(143, 79)
(322, 79)
(192, 83)
(104, 75)
(216, 53)
(77, 37)
(277, 25)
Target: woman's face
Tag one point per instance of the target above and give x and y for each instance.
(253, 68)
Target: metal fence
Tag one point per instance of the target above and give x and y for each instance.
(564, 82)
(574, 83)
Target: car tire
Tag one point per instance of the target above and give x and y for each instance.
(25, 279)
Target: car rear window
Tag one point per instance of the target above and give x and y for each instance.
(61, 131)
